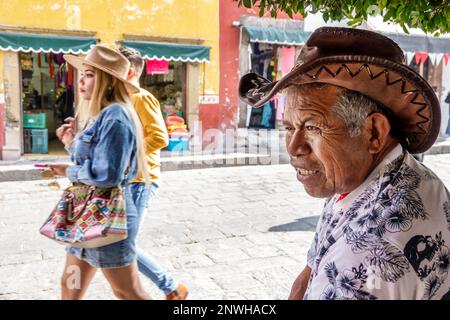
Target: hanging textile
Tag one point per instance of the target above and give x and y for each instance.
(266, 115)
(69, 75)
(288, 59)
(157, 67)
(51, 67)
(281, 101)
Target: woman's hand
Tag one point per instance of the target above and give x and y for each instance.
(66, 132)
(58, 169)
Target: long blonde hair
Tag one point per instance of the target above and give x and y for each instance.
(105, 93)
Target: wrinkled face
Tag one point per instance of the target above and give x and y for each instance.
(87, 82)
(327, 160)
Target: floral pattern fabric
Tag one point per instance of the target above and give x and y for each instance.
(388, 239)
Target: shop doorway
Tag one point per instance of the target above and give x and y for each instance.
(47, 88)
(166, 80)
(272, 61)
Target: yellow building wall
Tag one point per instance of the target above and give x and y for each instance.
(1, 74)
(197, 19)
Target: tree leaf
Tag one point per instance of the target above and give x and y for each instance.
(432, 16)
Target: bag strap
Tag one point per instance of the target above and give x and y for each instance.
(69, 200)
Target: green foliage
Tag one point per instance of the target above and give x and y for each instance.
(432, 16)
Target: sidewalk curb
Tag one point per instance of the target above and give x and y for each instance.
(25, 170)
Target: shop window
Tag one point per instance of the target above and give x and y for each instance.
(272, 62)
(47, 98)
(166, 81)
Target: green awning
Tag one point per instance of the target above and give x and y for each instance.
(277, 35)
(169, 51)
(28, 42)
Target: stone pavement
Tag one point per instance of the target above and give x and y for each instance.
(228, 233)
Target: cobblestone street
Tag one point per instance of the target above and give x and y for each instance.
(228, 233)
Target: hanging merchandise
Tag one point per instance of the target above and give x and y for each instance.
(61, 76)
(266, 115)
(38, 58)
(281, 101)
(58, 58)
(157, 67)
(69, 75)
(26, 63)
(421, 57)
(446, 58)
(288, 59)
(51, 67)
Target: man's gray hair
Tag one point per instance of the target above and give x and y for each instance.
(354, 107)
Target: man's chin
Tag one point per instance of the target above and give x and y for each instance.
(318, 193)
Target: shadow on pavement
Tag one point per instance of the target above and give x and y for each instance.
(302, 224)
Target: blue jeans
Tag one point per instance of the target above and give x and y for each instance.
(142, 198)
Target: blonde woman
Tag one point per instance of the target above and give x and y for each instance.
(108, 152)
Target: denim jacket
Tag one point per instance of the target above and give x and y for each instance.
(103, 151)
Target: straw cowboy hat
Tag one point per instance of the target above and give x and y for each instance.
(366, 62)
(108, 60)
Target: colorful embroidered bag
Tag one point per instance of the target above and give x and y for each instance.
(88, 217)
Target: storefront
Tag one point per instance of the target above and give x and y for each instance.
(168, 74)
(429, 56)
(46, 85)
(269, 47)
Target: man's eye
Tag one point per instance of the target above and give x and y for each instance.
(290, 128)
(312, 128)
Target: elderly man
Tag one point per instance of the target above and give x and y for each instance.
(354, 115)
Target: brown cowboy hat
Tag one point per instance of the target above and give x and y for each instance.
(108, 60)
(366, 62)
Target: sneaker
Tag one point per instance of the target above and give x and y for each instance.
(179, 293)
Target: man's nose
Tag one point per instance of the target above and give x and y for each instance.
(297, 145)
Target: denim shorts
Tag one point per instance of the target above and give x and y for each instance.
(123, 253)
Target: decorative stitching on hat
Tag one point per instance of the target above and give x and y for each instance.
(372, 76)
(255, 93)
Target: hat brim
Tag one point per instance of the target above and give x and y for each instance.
(408, 96)
(78, 62)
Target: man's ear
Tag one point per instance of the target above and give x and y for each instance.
(131, 73)
(378, 128)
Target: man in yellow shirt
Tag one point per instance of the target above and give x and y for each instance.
(155, 138)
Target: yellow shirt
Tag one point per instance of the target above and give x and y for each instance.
(155, 131)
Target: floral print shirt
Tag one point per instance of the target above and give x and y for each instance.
(387, 239)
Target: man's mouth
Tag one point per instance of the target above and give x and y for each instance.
(305, 172)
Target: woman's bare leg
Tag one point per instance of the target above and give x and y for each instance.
(76, 278)
(125, 282)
